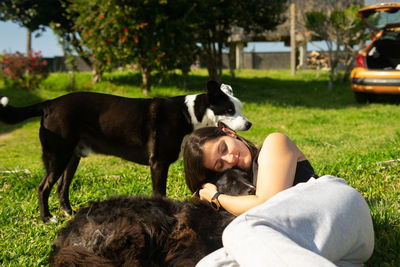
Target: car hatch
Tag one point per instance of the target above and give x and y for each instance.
(381, 16)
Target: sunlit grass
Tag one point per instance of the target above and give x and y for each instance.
(360, 143)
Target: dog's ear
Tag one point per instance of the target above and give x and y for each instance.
(213, 91)
(227, 89)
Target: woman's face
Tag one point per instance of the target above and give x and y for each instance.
(226, 152)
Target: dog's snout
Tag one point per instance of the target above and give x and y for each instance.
(248, 125)
(251, 190)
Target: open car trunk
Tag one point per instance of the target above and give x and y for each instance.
(385, 52)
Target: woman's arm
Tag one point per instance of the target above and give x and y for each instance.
(276, 169)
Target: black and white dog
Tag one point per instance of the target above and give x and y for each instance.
(148, 131)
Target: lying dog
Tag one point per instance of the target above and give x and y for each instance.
(148, 131)
(146, 231)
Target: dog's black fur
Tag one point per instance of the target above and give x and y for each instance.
(147, 131)
(146, 231)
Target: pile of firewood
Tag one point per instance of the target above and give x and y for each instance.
(316, 60)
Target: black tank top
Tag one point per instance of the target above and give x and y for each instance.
(304, 171)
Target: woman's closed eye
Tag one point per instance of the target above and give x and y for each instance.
(218, 165)
(222, 149)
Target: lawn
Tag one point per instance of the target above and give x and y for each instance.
(360, 143)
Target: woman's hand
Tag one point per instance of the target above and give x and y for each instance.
(208, 191)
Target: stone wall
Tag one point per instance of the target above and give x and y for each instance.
(251, 60)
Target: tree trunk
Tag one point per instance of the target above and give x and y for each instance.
(332, 69)
(28, 42)
(330, 83)
(213, 58)
(97, 73)
(212, 71)
(232, 59)
(213, 67)
(185, 75)
(145, 80)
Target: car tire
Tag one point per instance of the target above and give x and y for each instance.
(363, 98)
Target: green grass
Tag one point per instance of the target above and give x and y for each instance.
(339, 136)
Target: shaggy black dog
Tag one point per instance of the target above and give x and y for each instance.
(146, 231)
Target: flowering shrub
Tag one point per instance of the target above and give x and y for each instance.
(22, 71)
(156, 36)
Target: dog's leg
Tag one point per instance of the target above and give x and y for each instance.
(65, 182)
(44, 191)
(159, 173)
(55, 166)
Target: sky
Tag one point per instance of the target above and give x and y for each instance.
(13, 38)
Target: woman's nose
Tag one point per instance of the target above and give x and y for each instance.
(229, 158)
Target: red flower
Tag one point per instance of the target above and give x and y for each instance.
(6, 70)
(124, 39)
(143, 24)
(86, 36)
(94, 56)
(108, 60)
(6, 62)
(126, 30)
(154, 48)
(101, 17)
(44, 62)
(37, 53)
(34, 64)
(136, 39)
(109, 41)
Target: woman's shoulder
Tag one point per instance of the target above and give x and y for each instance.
(279, 144)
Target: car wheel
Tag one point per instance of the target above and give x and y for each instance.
(363, 98)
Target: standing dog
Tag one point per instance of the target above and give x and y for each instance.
(147, 231)
(148, 131)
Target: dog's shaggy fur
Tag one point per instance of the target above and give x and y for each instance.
(146, 231)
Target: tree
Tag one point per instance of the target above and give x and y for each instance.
(341, 30)
(153, 34)
(215, 20)
(31, 14)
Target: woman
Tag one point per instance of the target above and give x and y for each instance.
(318, 222)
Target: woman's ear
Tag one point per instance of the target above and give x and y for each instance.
(229, 132)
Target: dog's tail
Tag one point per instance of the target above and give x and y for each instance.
(77, 256)
(12, 115)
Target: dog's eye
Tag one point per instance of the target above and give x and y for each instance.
(230, 110)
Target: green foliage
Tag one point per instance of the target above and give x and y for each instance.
(23, 72)
(341, 29)
(154, 35)
(214, 22)
(32, 14)
(359, 143)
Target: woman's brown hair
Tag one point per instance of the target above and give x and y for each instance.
(195, 172)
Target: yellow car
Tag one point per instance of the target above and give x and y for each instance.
(377, 70)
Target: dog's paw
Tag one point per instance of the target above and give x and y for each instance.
(54, 219)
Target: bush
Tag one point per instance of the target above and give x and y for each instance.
(21, 71)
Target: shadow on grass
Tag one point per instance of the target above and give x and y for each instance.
(18, 98)
(285, 92)
(279, 92)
